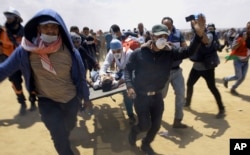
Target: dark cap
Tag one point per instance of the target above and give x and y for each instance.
(160, 29)
(114, 28)
(47, 20)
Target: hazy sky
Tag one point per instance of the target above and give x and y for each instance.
(101, 14)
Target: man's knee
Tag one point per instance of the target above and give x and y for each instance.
(145, 127)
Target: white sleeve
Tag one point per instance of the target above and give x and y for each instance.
(107, 62)
(97, 84)
(115, 84)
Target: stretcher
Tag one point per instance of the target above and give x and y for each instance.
(96, 94)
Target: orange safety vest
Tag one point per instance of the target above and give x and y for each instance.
(7, 47)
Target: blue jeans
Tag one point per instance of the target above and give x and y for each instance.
(60, 119)
(240, 68)
(177, 81)
(128, 104)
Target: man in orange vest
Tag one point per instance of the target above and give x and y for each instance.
(10, 38)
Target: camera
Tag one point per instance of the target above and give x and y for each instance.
(193, 17)
(189, 18)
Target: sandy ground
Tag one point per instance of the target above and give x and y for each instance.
(105, 132)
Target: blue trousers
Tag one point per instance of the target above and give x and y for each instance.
(178, 83)
(59, 119)
(240, 68)
(128, 104)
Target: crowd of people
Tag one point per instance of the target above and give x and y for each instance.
(55, 61)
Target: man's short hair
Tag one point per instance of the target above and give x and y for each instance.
(107, 85)
(167, 18)
(85, 28)
(74, 28)
(115, 28)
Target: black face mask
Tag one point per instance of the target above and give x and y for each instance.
(11, 26)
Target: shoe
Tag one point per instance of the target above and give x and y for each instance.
(132, 138)
(234, 92)
(146, 148)
(221, 114)
(132, 120)
(22, 110)
(225, 83)
(32, 107)
(178, 124)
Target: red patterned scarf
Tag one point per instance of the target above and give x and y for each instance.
(43, 50)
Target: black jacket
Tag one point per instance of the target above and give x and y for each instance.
(88, 61)
(207, 54)
(151, 69)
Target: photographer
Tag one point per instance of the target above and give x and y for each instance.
(205, 62)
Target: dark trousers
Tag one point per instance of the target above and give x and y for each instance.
(149, 110)
(16, 79)
(60, 119)
(209, 77)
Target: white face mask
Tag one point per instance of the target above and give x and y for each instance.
(118, 55)
(48, 38)
(161, 43)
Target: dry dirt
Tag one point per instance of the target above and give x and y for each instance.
(105, 132)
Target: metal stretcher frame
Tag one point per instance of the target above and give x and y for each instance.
(97, 94)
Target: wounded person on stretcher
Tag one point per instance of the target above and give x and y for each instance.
(106, 82)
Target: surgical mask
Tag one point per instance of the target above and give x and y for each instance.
(118, 55)
(161, 43)
(48, 38)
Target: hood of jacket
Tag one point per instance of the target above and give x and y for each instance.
(30, 29)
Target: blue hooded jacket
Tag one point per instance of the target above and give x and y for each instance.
(19, 59)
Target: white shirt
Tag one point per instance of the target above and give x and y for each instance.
(98, 82)
(121, 64)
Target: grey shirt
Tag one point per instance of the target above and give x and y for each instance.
(59, 87)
